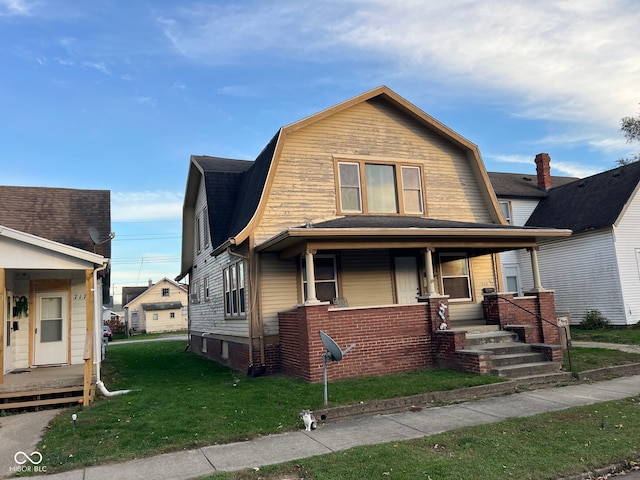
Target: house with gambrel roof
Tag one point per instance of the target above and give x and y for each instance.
(598, 266)
(370, 220)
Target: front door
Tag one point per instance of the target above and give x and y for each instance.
(407, 287)
(7, 338)
(52, 317)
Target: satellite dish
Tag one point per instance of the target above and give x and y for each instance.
(95, 236)
(334, 353)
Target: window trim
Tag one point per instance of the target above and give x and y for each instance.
(167, 290)
(303, 277)
(198, 234)
(397, 165)
(234, 282)
(205, 218)
(508, 218)
(467, 276)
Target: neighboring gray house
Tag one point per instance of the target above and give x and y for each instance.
(598, 266)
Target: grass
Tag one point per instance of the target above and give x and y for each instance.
(145, 336)
(628, 335)
(549, 445)
(181, 401)
(583, 359)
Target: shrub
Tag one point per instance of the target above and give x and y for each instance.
(594, 320)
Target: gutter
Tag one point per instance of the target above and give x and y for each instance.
(97, 340)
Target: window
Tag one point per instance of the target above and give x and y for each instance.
(234, 290)
(456, 283)
(205, 218)
(380, 188)
(505, 207)
(511, 282)
(172, 314)
(195, 292)
(155, 316)
(350, 187)
(198, 235)
(165, 292)
(206, 289)
(326, 278)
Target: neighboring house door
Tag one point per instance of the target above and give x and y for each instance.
(52, 317)
(407, 287)
(7, 340)
(511, 279)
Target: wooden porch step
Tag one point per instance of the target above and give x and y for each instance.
(40, 398)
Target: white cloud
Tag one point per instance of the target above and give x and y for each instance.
(571, 61)
(145, 206)
(99, 66)
(142, 100)
(9, 8)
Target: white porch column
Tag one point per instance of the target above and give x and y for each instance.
(311, 279)
(431, 281)
(537, 284)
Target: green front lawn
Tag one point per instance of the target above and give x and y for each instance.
(627, 336)
(180, 401)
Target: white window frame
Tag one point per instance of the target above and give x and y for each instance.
(341, 186)
(198, 234)
(205, 218)
(206, 289)
(444, 255)
(405, 189)
(508, 214)
(234, 290)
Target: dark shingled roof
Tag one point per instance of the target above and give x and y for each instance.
(382, 221)
(129, 294)
(63, 215)
(222, 180)
(590, 203)
(161, 306)
(234, 188)
(521, 185)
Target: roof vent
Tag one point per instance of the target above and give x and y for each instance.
(526, 179)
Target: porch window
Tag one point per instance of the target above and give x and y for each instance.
(326, 278)
(380, 187)
(456, 283)
(234, 290)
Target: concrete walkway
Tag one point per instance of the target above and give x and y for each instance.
(348, 433)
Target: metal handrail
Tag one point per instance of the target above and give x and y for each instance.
(566, 335)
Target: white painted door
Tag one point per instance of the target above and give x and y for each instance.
(7, 339)
(407, 287)
(511, 279)
(52, 317)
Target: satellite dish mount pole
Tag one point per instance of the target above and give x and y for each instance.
(324, 373)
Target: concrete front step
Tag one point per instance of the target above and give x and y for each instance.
(527, 369)
(505, 348)
(517, 358)
(479, 340)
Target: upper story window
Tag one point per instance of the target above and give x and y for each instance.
(205, 220)
(505, 207)
(198, 234)
(165, 292)
(374, 187)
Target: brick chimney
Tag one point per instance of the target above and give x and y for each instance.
(543, 169)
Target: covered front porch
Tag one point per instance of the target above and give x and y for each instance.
(403, 293)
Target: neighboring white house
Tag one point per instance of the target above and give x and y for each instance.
(162, 307)
(598, 266)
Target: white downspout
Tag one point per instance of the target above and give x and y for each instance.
(97, 338)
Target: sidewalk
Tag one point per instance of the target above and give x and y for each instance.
(348, 433)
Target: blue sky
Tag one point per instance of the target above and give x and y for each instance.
(117, 94)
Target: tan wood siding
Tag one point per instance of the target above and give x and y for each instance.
(365, 278)
(278, 289)
(483, 275)
(304, 187)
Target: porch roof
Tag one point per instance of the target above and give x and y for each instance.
(364, 231)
